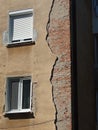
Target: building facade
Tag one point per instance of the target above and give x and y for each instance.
(48, 65)
(35, 65)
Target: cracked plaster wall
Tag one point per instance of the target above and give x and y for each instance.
(34, 60)
(58, 38)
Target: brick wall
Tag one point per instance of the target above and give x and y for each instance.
(58, 39)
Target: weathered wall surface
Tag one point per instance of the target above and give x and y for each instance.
(35, 60)
(43, 62)
(58, 39)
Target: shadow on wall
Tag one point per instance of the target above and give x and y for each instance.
(20, 116)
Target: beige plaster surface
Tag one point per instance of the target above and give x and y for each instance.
(34, 60)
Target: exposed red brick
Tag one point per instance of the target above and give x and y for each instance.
(59, 42)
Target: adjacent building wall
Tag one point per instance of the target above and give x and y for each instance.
(85, 66)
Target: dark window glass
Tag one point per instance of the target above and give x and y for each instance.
(26, 94)
(97, 2)
(14, 95)
(96, 50)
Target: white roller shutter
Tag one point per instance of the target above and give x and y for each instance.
(22, 28)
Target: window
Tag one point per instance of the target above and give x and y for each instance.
(96, 51)
(97, 105)
(95, 16)
(21, 26)
(18, 95)
(96, 74)
(20, 30)
(96, 7)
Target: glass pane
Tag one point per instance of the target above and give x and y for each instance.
(97, 2)
(97, 104)
(14, 95)
(96, 51)
(26, 94)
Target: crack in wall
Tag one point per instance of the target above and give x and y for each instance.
(53, 93)
(47, 28)
(48, 24)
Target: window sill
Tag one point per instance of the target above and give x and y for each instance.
(18, 44)
(18, 111)
(23, 114)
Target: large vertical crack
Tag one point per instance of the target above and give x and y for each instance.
(48, 24)
(47, 28)
(53, 93)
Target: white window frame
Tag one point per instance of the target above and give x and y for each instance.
(17, 14)
(8, 110)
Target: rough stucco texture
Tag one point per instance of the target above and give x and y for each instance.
(33, 60)
(58, 39)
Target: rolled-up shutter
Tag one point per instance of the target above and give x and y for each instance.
(22, 26)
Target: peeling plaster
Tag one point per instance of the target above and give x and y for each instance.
(58, 39)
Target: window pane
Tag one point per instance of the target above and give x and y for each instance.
(14, 95)
(97, 105)
(97, 2)
(96, 51)
(26, 94)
